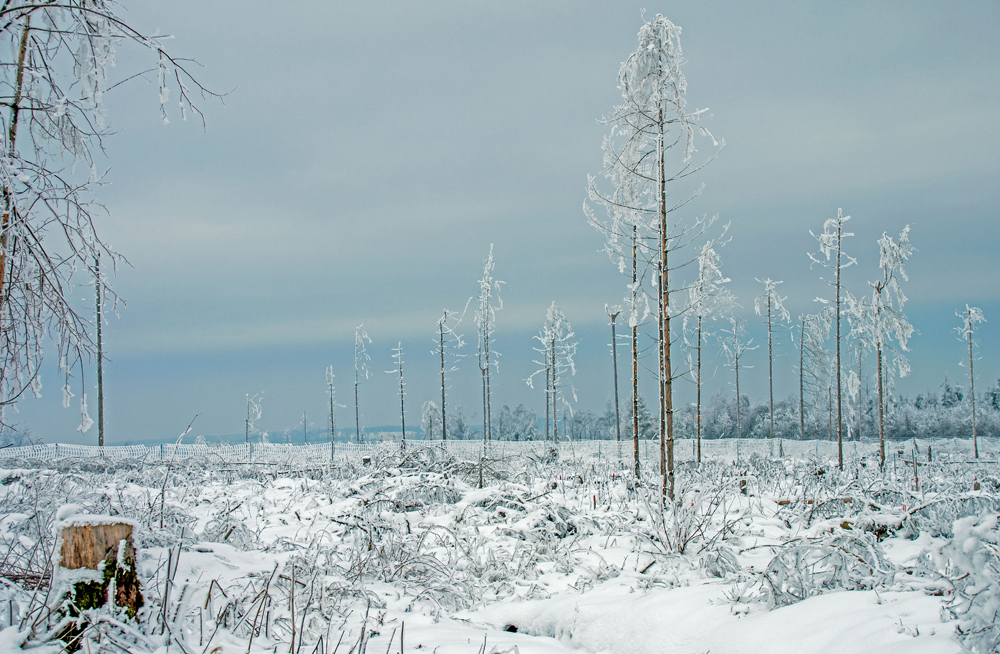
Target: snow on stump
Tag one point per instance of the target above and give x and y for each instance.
(107, 549)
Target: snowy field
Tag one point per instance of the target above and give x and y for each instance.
(521, 549)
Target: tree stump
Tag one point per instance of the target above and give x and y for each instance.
(107, 549)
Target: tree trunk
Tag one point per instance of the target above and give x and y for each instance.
(444, 422)
(972, 395)
(881, 408)
(698, 392)
(802, 389)
(635, 363)
(614, 361)
(860, 387)
(100, 354)
(555, 405)
(840, 415)
(770, 368)
(357, 411)
(15, 108)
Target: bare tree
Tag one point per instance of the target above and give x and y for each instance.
(736, 344)
(613, 313)
(557, 349)
(361, 360)
(447, 347)
(709, 298)
(776, 313)
(333, 415)
(398, 356)
(489, 304)
(831, 256)
(98, 321)
(971, 317)
(53, 82)
(255, 409)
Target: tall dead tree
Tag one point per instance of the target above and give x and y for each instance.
(774, 308)
(831, 256)
(651, 146)
(447, 347)
(99, 320)
(613, 313)
(333, 415)
(361, 360)
(971, 317)
(557, 349)
(398, 356)
(489, 304)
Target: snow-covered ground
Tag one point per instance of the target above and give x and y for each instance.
(525, 550)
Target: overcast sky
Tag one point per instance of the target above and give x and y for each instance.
(369, 153)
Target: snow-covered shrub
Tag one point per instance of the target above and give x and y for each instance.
(972, 557)
(840, 561)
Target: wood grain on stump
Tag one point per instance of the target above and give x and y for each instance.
(87, 546)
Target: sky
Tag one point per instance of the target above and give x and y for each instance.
(366, 156)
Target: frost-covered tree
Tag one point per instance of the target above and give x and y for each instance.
(446, 348)
(709, 299)
(772, 304)
(361, 360)
(430, 419)
(971, 317)
(831, 256)
(331, 390)
(398, 371)
(652, 145)
(557, 349)
(814, 363)
(889, 328)
(613, 313)
(59, 63)
(489, 304)
(255, 409)
(98, 322)
(735, 344)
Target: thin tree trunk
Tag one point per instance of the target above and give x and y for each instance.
(770, 368)
(840, 414)
(881, 408)
(357, 412)
(860, 388)
(555, 405)
(662, 395)
(635, 363)
(100, 354)
(736, 368)
(489, 398)
(248, 420)
(548, 394)
(802, 389)
(333, 425)
(402, 410)
(482, 371)
(614, 360)
(698, 421)
(15, 109)
(667, 429)
(444, 429)
(972, 395)
(305, 428)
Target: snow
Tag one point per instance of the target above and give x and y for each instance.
(569, 552)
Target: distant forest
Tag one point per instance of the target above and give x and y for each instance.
(943, 414)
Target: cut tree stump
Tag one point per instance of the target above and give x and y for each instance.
(91, 545)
